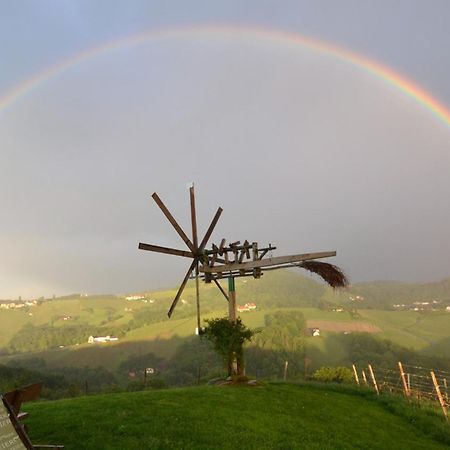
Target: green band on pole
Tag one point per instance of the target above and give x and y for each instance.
(231, 284)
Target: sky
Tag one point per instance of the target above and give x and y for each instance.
(300, 147)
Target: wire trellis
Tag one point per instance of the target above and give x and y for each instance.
(417, 383)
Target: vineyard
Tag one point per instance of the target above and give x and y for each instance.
(421, 385)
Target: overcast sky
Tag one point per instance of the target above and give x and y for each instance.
(301, 149)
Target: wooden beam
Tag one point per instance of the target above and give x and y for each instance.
(181, 288)
(266, 262)
(174, 223)
(221, 289)
(210, 229)
(167, 250)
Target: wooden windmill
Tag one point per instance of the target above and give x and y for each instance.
(196, 251)
(235, 260)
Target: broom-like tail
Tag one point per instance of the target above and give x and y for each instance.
(330, 273)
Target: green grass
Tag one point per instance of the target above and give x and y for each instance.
(275, 416)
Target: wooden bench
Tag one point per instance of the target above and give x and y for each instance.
(12, 433)
(18, 396)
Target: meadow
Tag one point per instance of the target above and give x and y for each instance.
(271, 416)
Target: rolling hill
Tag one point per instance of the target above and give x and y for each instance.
(54, 334)
(272, 416)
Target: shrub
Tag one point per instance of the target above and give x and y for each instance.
(333, 375)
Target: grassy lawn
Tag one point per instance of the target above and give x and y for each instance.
(275, 416)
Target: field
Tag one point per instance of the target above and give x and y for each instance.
(274, 416)
(423, 331)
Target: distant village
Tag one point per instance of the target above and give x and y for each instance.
(425, 305)
(8, 304)
(435, 305)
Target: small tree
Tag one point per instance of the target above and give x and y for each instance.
(228, 339)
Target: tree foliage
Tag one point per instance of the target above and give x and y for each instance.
(228, 339)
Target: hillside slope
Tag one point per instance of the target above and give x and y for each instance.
(277, 416)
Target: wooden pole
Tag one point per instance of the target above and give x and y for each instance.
(197, 300)
(439, 395)
(232, 317)
(355, 373)
(403, 377)
(374, 381)
(231, 300)
(446, 389)
(286, 363)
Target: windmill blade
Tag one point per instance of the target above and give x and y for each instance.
(210, 229)
(195, 240)
(174, 223)
(167, 250)
(193, 217)
(181, 288)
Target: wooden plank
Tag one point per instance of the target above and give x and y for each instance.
(213, 258)
(255, 258)
(221, 246)
(167, 250)
(266, 262)
(233, 248)
(247, 249)
(211, 229)
(174, 223)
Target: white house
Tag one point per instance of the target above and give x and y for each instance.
(101, 339)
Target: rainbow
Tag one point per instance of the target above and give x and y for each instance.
(283, 38)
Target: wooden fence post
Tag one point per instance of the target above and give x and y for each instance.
(438, 392)
(374, 381)
(405, 384)
(286, 363)
(446, 389)
(355, 373)
(364, 377)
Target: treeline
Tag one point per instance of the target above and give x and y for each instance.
(57, 382)
(384, 294)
